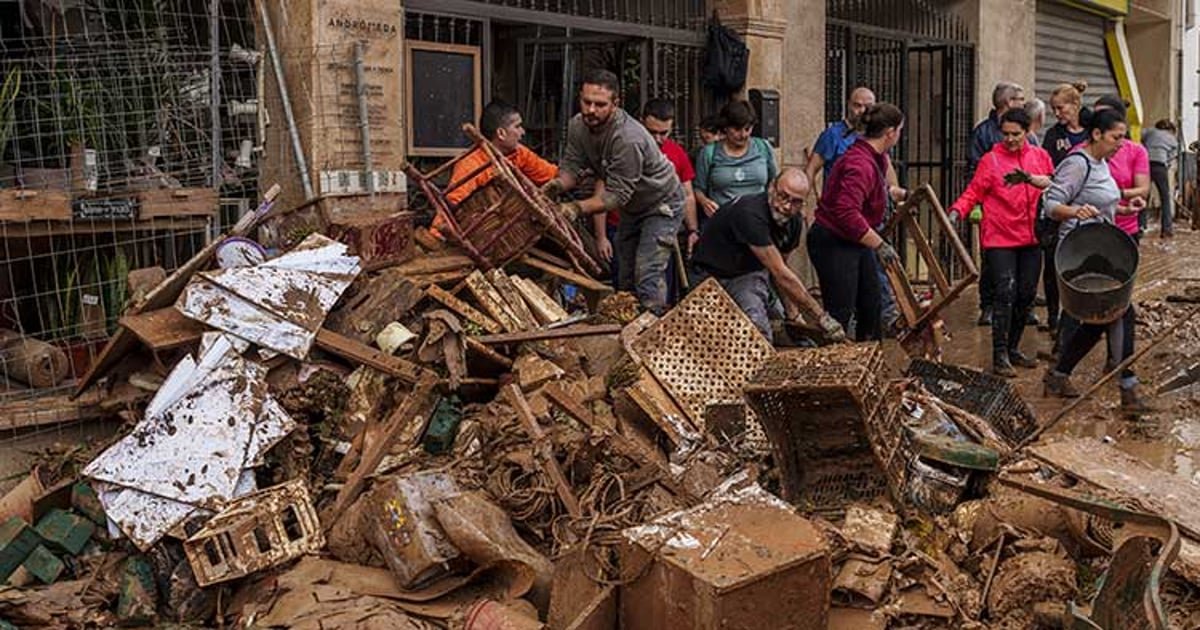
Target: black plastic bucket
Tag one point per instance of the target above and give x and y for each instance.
(1097, 264)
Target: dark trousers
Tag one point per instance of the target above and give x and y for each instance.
(1158, 175)
(849, 282)
(1050, 283)
(986, 284)
(1014, 276)
(1078, 339)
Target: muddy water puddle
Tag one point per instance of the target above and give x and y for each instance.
(1169, 439)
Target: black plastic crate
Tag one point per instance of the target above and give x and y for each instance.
(990, 397)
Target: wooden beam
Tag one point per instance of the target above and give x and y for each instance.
(348, 348)
(516, 304)
(542, 447)
(566, 332)
(462, 308)
(415, 408)
(543, 306)
(579, 279)
(492, 301)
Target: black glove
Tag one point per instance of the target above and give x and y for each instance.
(887, 254)
(553, 188)
(1017, 176)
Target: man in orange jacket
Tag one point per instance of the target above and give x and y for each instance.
(501, 124)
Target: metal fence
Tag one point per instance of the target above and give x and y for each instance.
(122, 125)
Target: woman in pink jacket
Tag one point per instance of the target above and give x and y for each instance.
(1008, 182)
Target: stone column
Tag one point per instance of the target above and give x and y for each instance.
(1005, 34)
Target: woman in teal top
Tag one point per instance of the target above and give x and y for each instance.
(740, 164)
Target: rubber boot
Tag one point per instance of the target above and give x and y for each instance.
(985, 317)
(1059, 386)
(1020, 359)
(1132, 402)
(1001, 366)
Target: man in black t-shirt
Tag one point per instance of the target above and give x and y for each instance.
(745, 244)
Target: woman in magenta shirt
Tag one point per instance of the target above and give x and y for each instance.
(1130, 168)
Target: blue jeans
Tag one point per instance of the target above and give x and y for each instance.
(645, 242)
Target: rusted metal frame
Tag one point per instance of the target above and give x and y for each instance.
(1145, 525)
(543, 448)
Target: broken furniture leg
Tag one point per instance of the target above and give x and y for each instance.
(542, 447)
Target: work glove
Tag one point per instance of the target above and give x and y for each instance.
(553, 188)
(831, 328)
(976, 214)
(570, 210)
(1017, 176)
(887, 254)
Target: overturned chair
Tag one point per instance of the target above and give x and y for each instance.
(502, 220)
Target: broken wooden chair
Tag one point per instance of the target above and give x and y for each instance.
(921, 330)
(505, 218)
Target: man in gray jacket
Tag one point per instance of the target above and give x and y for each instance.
(637, 181)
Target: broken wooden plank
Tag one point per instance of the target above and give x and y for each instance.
(492, 302)
(414, 411)
(46, 410)
(543, 306)
(579, 279)
(165, 294)
(385, 298)
(350, 349)
(462, 308)
(488, 353)
(567, 332)
(1132, 479)
(516, 304)
(542, 446)
(164, 328)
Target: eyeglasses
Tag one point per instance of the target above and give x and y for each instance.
(795, 202)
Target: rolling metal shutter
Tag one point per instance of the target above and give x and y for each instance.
(1070, 46)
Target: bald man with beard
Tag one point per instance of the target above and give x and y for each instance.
(744, 246)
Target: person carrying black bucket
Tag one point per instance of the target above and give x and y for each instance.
(1083, 192)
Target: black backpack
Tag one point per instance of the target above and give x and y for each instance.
(726, 59)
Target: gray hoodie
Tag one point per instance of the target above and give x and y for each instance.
(636, 174)
(1069, 188)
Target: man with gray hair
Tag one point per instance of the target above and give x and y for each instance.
(1005, 96)
(744, 246)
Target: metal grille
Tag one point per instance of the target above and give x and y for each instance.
(443, 29)
(676, 76)
(703, 351)
(933, 82)
(679, 14)
(919, 18)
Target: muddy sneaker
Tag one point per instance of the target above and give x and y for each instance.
(1002, 367)
(1132, 403)
(1021, 360)
(1060, 386)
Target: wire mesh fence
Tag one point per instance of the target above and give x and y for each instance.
(128, 135)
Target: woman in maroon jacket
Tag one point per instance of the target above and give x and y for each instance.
(843, 242)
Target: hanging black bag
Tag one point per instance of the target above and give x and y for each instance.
(726, 59)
